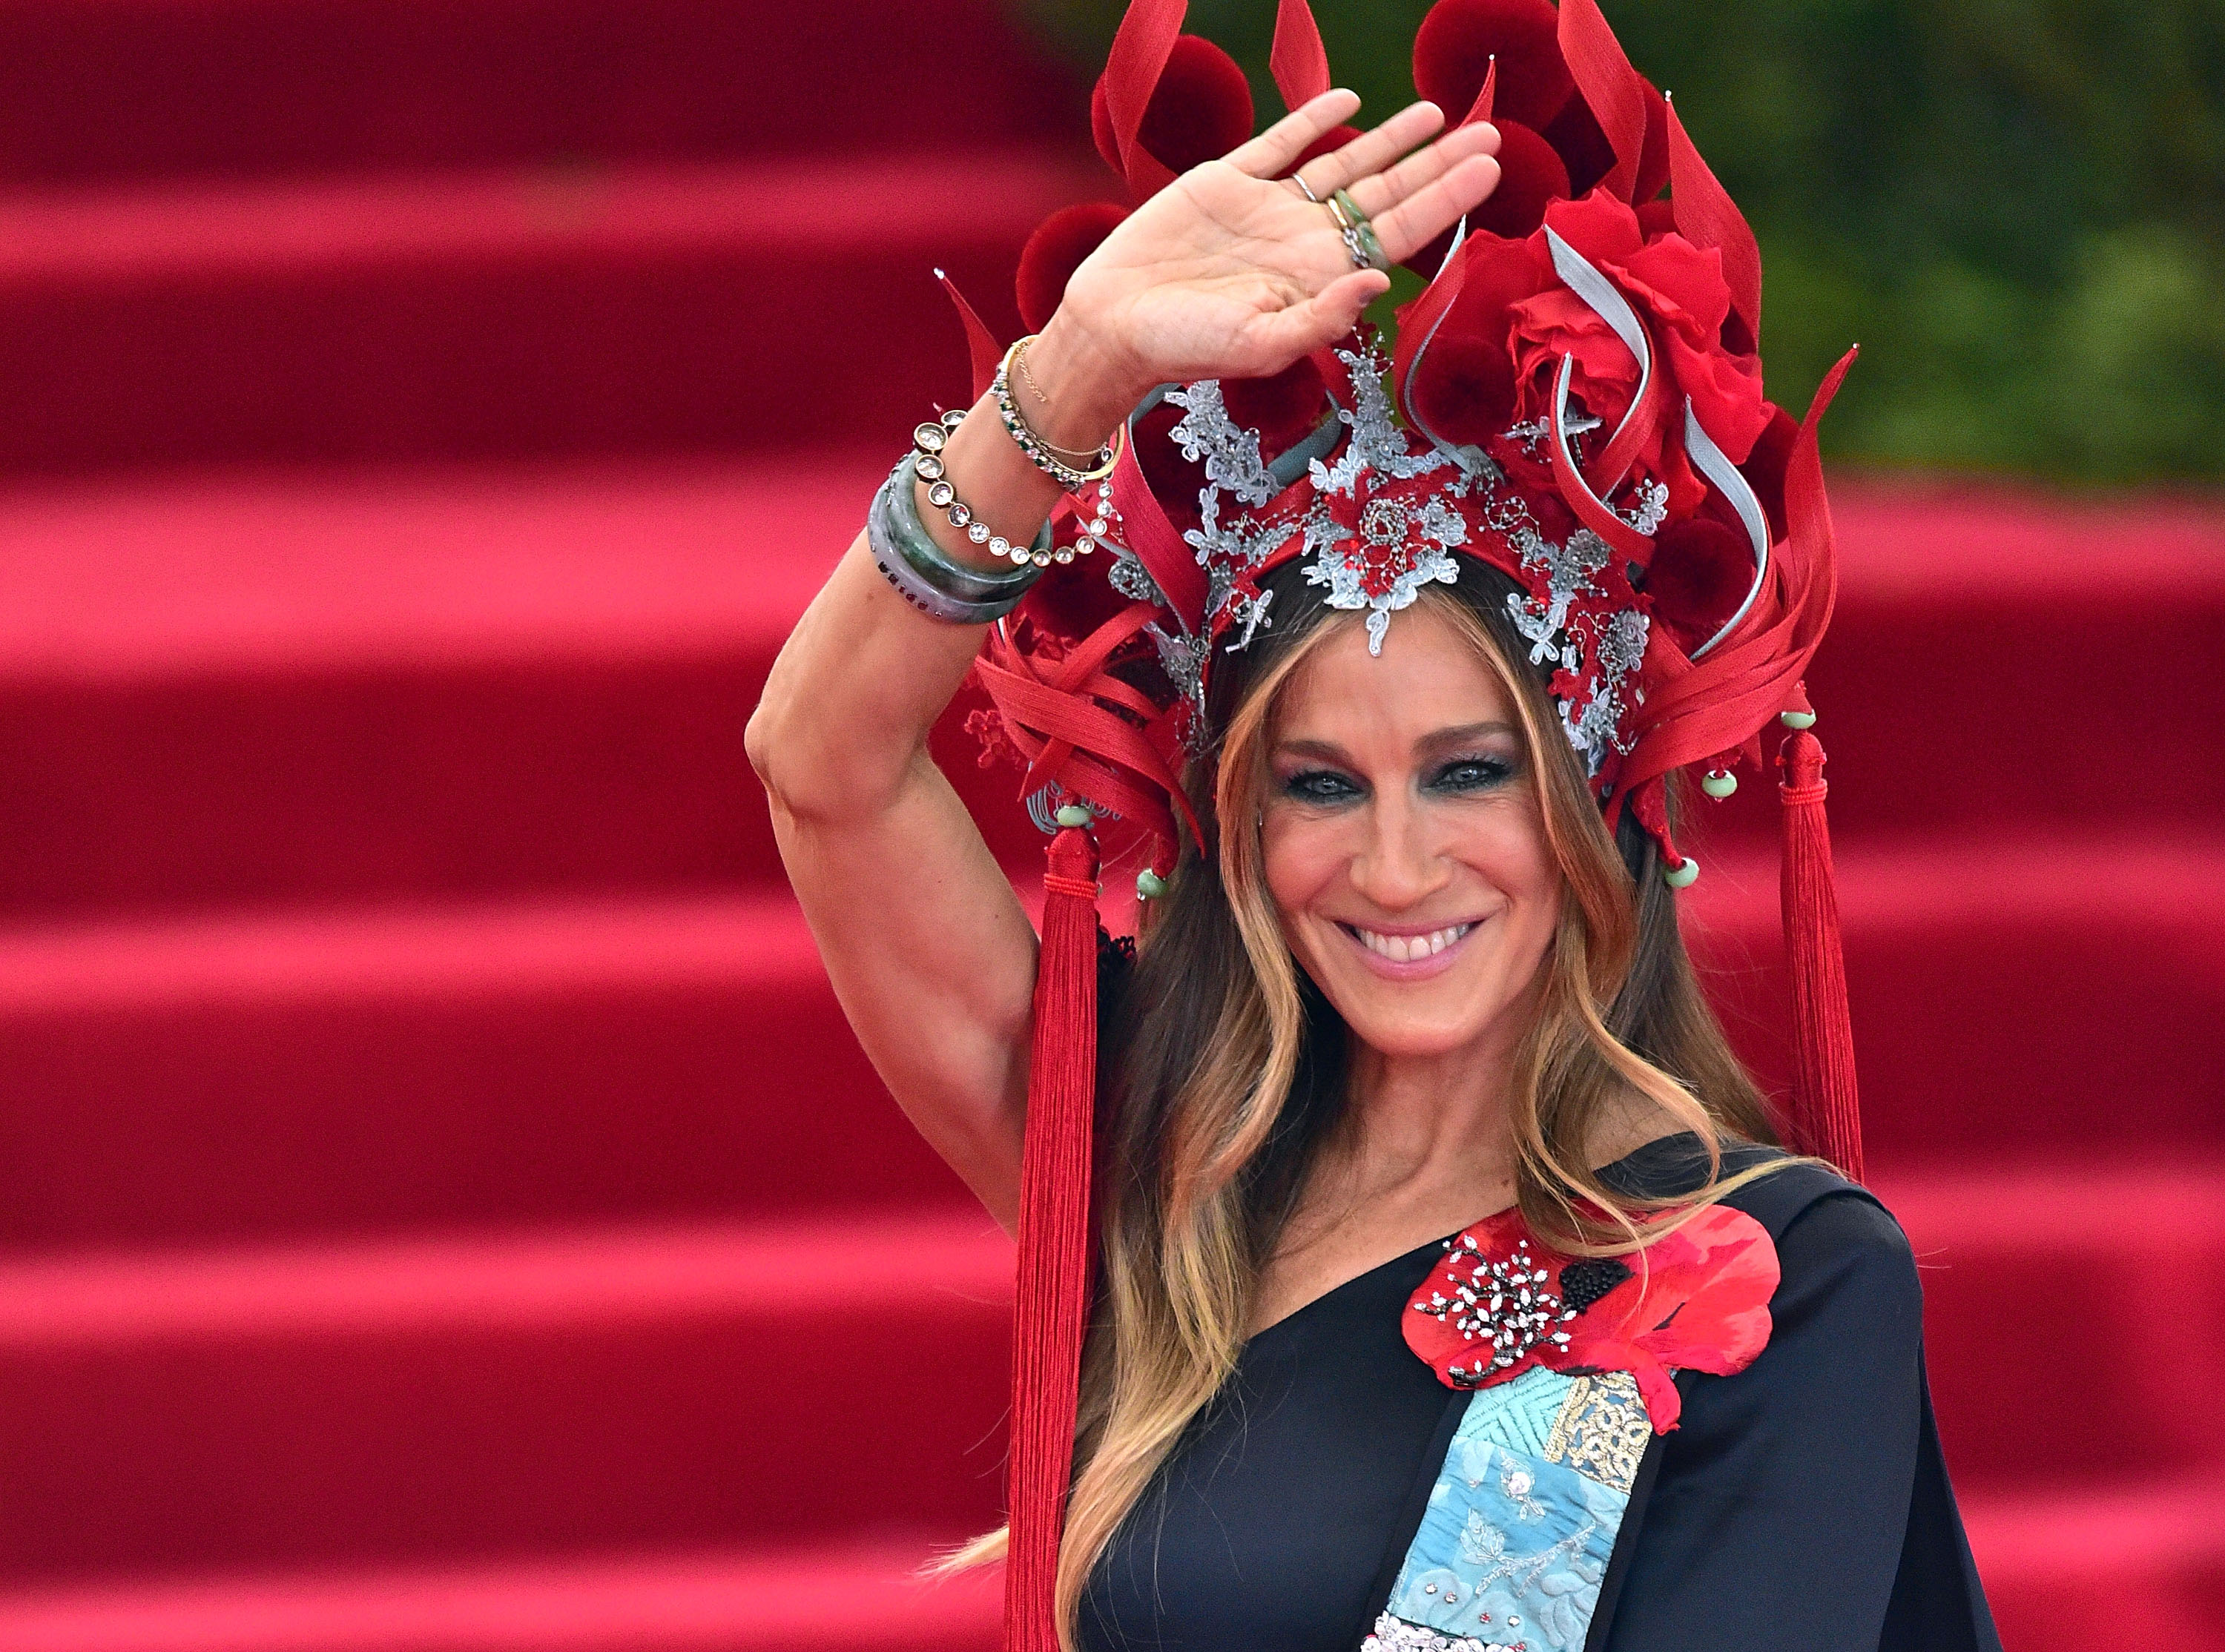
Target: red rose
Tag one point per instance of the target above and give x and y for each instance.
(1679, 295)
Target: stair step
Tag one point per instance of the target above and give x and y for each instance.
(244, 1076)
(767, 1600)
(2080, 1304)
(2003, 989)
(2145, 1556)
(434, 681)
(411, 683)
(766, 303)
(238, 1076)
(448, 1400)
(92, 89)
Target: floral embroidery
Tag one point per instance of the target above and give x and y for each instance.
(1697, 1299)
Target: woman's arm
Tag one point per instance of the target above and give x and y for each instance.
(1224, 273)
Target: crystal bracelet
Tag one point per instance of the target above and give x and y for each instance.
(911, 561)
(931, 562)
(1038, 451)
(928, 440)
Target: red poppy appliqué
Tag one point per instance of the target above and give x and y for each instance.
(1697, 1299)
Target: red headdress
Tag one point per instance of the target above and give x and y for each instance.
(1583, 409)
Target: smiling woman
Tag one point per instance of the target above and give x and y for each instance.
(1409, 1264)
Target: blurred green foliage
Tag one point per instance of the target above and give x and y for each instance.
(2017, 206)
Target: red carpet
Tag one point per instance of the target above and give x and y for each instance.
(443, 1208)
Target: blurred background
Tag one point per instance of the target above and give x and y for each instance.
(440, 1205)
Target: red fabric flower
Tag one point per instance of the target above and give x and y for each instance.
(1697, 1299)
(1680, 296)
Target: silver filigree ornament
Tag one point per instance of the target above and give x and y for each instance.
(1400, 547)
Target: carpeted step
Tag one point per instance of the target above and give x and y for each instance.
(421, 682)
(2146, 1557)
(756, 1600)
(182, 1080)
(406, 683)
(370, 1070)
(607, 1388)
(443, 1401)
(2074, 1318)
(96, 89)
(2011, 998)
(776, 303)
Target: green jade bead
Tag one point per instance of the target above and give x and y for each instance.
(1718, 785)
(1074, 815)
(1682, 878)
(1796, 720)
(1150, 886)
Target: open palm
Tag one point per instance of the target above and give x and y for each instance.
(1231, 272)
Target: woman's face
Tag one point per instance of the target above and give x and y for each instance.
(1404, 842)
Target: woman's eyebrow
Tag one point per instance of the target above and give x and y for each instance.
(1322, 750)
(1464, 734)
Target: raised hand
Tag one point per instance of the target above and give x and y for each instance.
(1231, 272)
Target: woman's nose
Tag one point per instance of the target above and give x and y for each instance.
(1397, 865)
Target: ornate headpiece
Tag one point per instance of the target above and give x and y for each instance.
(1576, 399)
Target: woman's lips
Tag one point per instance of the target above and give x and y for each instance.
(1409, 956)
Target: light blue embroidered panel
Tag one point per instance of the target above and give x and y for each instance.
(1522, 1520)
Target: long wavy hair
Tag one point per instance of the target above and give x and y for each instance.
(1222, 1067)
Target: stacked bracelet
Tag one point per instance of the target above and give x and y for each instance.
(924, 575)
(1041, 453)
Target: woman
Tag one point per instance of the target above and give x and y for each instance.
(1447, 1289)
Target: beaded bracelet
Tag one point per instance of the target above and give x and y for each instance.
(1037, 450)
(927, 441)
(910, 560)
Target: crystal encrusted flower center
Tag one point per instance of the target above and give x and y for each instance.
(1509, 1306)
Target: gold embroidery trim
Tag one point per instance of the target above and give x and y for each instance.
(1603, 1429)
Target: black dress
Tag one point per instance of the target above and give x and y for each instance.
(1802, 1505)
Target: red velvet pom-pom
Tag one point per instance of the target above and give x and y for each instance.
(1175, 481)
(1700, 572)
(1056, 250)
(1202, 108)
(1282, 408)
(1576, 136)
(1466, 393)
(1575, 133)
(1531, 177)
(1454, 47)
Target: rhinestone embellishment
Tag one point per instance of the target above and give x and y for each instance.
(1507, 1306)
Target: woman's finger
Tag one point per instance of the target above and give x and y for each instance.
(1371, 152)
(1384, 191)
(1286, 334)
(1270, 154)
(1432, 210)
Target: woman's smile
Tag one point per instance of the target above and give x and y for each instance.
(1408, 953)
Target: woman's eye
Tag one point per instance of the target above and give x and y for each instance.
(1319, 786)
(1472, 774)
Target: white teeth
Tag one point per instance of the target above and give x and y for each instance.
(1404, 949)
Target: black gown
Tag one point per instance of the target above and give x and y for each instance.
(1803, 1505)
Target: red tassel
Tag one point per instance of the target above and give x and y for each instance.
(1055, 1253)
(1826, 1106)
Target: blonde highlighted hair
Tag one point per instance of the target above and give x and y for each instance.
(1222, 1068)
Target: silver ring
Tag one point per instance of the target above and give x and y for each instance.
(1304, 190)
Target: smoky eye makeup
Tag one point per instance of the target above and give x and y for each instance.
(1474, 771)
(1319, 787)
